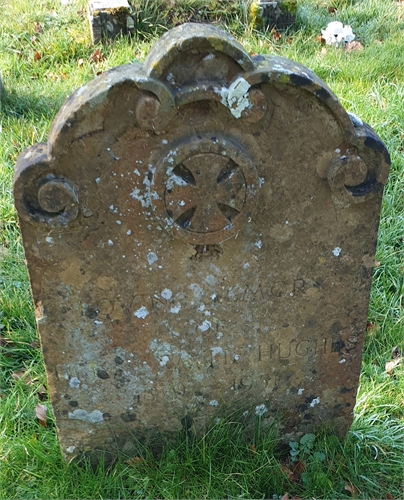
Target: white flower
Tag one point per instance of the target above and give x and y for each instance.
(337, 34)
(260, 410)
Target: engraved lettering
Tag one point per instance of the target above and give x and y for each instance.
(279, 289)
(253, 294)
(158, 303)
(105, 307)
(141, 301)
(298, 287)
(302, 348)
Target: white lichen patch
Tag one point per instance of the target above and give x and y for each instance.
(144, 199)
(205, 326)
(258, 244)
(175, 309)
(216, 350)
(314, 402)
(110, 243)
(260, 410)
(151, 258)
(70, 449)
(336, 251)
(141, 313)
(197, 291)
(49, 239)
(170, 78)
(300, 392)
(213, 403)
(164, 360)
(343, 360)
(175, 180)
(74, 382)
(92, 417)
(167, 294)
(236, 96)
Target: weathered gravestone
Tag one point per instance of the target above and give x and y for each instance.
(200, 233)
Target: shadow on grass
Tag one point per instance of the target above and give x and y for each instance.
(29, 105)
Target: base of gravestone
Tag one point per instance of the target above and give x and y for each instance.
(248, 423)
(279, 14)
(109, 18)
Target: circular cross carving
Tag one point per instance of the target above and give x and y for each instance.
(208, 194)
(205, 193)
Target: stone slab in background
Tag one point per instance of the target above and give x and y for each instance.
(109, 18)
(279, 14)
(200, 233)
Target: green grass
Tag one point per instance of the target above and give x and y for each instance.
(39, 70)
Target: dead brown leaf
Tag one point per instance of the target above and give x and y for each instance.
(38, 27)
(37, 56)
(332, 10)
(353, 46)
(389, 497)
(369, 326)
(293, 471)
(42, 395)
(97, 56)
(286, 497)
(377, 263)
(395, 353)
(320, 39)
(20, 376)
(40, 412)
(390, 365)
(276, 35)
(252, 449)
(25, 377)
(352, 490)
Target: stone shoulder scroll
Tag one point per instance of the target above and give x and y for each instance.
(200, 232)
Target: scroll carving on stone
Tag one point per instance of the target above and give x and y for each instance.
(200, 234)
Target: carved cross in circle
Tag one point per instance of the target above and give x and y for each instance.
(205, 193)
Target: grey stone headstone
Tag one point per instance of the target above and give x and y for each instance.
(109, 18)
(200, 234)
